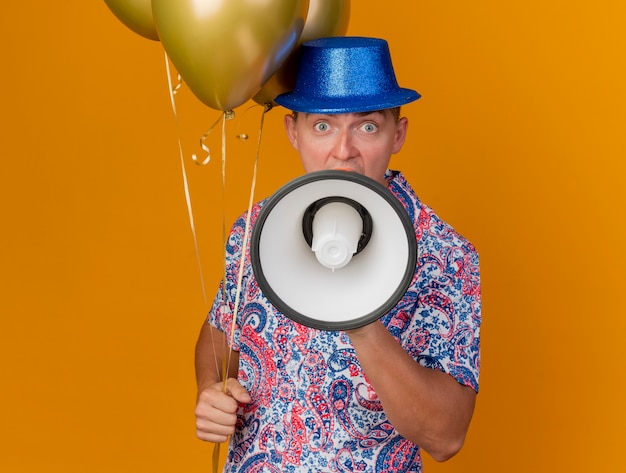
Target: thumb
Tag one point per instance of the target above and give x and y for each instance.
(237, 391)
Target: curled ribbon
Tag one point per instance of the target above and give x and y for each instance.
(244, 136)
(227, 115)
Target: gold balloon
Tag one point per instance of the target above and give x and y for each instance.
(135, 14)
(226, 49)
(325, 18)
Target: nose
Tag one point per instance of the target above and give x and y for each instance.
(345, 146)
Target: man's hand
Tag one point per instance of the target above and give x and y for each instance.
(216, 410)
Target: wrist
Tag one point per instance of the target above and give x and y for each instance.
(366, 331)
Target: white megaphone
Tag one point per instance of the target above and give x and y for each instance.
(333, 250)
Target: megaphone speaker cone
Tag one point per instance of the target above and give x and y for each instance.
(341, 266)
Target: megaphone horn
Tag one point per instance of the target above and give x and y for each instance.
(333, 250)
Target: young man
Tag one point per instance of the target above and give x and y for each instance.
(368, 399)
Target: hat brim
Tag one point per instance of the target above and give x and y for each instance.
(346, 104)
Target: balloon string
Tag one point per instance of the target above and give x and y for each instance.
(216, 458)
(227, 115)
(226, 353)
(172, 92)
(217, 447)
(246, 233)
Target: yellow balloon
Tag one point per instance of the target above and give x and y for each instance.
(325, 18)
(226, 49)
(135, 14)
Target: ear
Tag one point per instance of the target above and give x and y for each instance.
(290, 127)
(400, 135)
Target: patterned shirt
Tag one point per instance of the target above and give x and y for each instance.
(313, 409)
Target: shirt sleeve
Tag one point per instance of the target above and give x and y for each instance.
(441, 314)
(448, 313)
(221, 317)
(222, 311)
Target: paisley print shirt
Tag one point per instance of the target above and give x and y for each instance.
(313, 409)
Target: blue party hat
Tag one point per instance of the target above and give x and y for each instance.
(345, 74)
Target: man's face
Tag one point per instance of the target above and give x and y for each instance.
(358, 142)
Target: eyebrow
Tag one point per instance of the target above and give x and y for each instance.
(362, 114)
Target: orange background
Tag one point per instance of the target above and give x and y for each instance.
(518, 142)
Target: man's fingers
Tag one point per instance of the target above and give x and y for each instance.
(211, 401)
(215, 435)
(213, 430)
(216, 410)
(215, 415)
(208, 437)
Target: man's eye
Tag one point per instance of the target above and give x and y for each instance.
(369, 127)
(322, 126)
